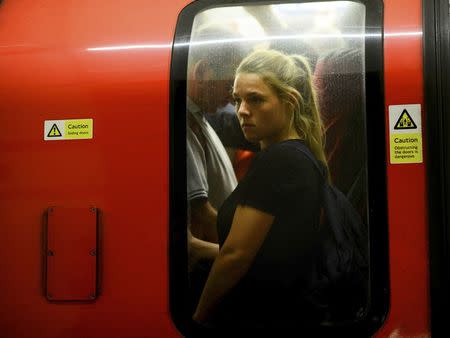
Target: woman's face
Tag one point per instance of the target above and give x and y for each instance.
(262, 115)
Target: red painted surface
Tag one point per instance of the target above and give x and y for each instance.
(49, 71)
(408, 229)
(71, 254)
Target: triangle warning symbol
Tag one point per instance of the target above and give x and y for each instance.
(54, 131)
(405, 121)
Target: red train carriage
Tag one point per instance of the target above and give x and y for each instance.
(93, 207)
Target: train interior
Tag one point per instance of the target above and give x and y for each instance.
(332, 37)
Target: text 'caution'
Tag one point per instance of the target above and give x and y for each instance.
(405, 129)
(57, 130)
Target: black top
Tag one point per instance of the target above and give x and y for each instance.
(283, 182)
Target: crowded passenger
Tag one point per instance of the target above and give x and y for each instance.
(268, 228)
(337, 72)
(210, 174)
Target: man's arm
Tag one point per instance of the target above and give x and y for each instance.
(199, 249)
(202, 233)
(203, 220)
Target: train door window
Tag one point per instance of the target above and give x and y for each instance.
(270, 103)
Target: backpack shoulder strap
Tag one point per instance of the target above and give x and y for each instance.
(320, 168)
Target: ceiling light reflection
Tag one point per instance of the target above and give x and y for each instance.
(126, 47)
(255, 39)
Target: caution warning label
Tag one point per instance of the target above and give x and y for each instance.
(405, 129)
(405, 121)
(55, 130)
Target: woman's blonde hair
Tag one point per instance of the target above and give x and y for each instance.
(290, 77)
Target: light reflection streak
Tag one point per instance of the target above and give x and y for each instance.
(257, 39)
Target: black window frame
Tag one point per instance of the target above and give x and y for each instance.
(436, 74)
(376, 164)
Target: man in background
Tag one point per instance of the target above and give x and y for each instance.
(210, 174)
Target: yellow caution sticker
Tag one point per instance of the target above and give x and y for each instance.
(406, 148)
(405, 121)
(57, 130)
(54, 131)
(405, 129)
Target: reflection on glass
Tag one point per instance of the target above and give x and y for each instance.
(239, 109)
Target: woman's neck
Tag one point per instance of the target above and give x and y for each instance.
(291, 135)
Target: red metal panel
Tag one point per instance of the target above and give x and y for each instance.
(71, 254)
(49, 71)
(408, 229)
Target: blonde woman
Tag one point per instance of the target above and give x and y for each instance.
(269, 226)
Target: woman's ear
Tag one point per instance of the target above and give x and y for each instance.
(293, 101)
(289, 107)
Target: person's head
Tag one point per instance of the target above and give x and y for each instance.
(337, 72)
(275, 100)
(340, 71)
(213, 56)
(298, 46)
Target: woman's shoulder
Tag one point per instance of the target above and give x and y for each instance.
(285, 158)
(289, 151)
(285, 164)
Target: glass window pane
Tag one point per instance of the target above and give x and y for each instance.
(263, 83)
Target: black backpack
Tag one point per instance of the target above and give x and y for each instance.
(340, 281)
